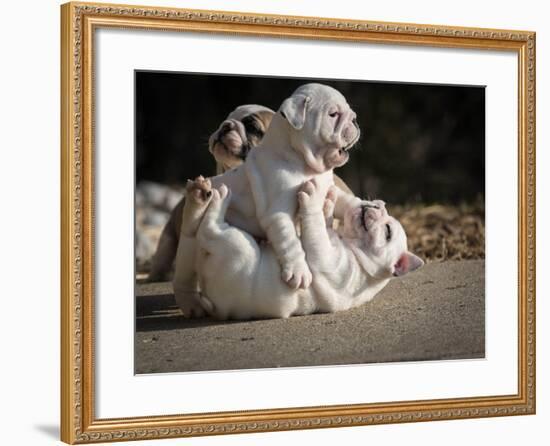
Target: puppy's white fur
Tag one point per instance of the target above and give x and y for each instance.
(240, 279)
(309, 137)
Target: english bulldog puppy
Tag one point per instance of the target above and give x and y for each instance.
(235, 137)
(309, 136)
(241, 279)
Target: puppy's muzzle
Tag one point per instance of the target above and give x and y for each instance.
(364, 208)
(350, 145)
(243, 148)
(354, 140)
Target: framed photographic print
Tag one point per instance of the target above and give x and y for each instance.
(275, 223)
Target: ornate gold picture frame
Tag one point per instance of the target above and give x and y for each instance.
(79, 423)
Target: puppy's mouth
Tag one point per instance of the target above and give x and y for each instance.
(363, 213)
(344, 150)
(245, 149)
(233, 145)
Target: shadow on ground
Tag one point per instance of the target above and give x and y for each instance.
(158, 312)
(436, 313)
(49, 430)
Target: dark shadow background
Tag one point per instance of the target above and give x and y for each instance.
(420, 143)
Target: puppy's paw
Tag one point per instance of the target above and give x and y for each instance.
(330, 202)
(310, 197)
(207, 305)
(297, 274)
(199, 191)
(190, 304)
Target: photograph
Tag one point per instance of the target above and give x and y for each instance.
(316, 222)
(301, 222)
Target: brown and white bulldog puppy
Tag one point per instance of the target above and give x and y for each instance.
(310, 135)
(230, 144)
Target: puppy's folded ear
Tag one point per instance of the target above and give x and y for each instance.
(407, 263)
(294, 110)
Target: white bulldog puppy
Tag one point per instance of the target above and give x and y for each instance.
(242, 131)
(231, 142)
(309, 137)
(241, 279)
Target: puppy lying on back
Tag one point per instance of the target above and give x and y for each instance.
(240, 132)
(241, 279)
(309, 136)
(230, 144)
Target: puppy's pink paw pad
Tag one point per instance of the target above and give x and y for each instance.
(199, 190)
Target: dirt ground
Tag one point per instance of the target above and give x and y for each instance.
(435, 313)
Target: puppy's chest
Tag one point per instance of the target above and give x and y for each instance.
(245, 219)
(344, 273)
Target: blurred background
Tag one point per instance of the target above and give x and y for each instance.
(422, 150)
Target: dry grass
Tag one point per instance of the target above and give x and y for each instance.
(438, 232)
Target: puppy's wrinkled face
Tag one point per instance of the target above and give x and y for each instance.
(241, 131)
(323, 127)
(382, 240)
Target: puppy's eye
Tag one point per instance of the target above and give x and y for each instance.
(252, 127)
(388, 232)
(333, 114)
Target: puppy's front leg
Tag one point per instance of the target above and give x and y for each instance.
(315, 205)
(185, 283)
(343, 202)
(275, 210)
(281, 232)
